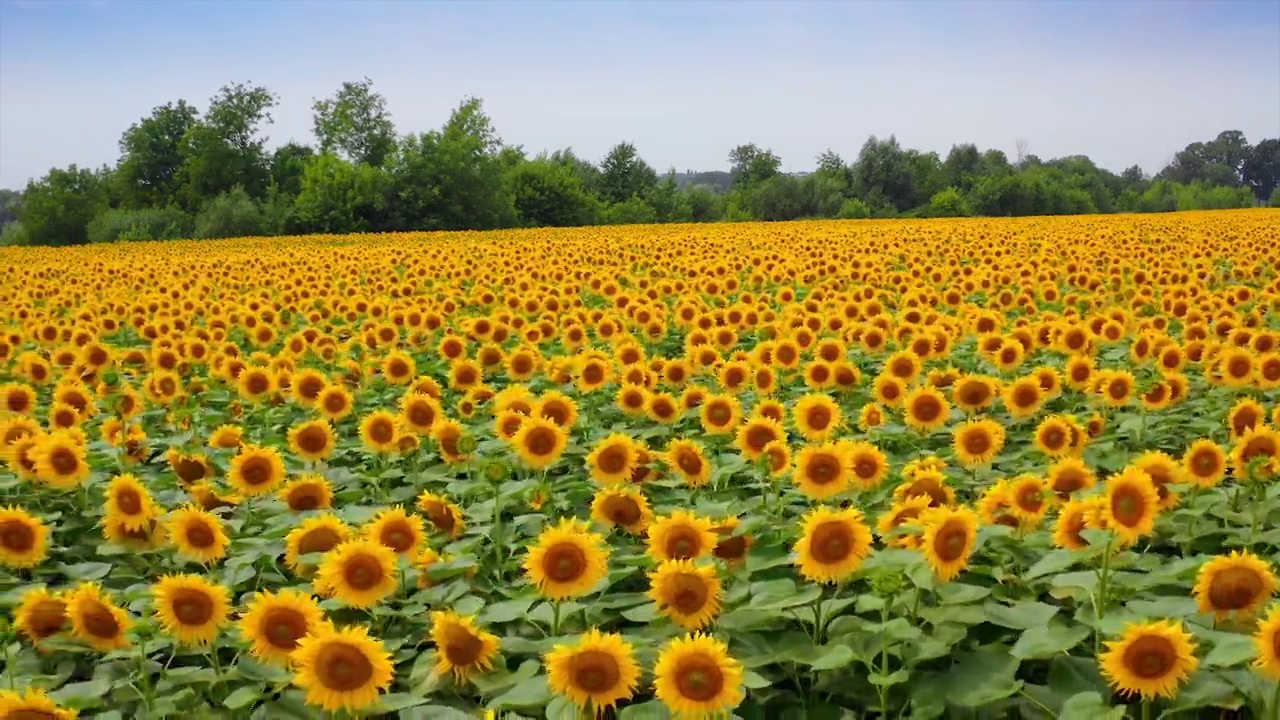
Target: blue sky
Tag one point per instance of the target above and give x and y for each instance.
(1123, 82)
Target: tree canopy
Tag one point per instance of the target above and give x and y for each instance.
(184, 171)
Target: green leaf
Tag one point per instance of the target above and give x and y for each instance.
(1072, 675)
(754, 681)
(652, 710)
(243, 697)
(506, 611)
(642, 614)
(87, 570)
(533, 692)
(1021, 615)
(833, 657)
(399, 701)
(983, 676)
(895, 678)
(959, 593)
(1164, 607)
(469, 605)
(1054, 562)
(434, 712)
(1040, 643)
(89, 693)
(1089, 706)
(1206, 690)
(1232, 650)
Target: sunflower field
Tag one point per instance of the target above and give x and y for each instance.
(998, 468)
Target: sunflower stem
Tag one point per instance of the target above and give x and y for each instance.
(555, 619)
(1147, 709)
(8, 662)
(1100, 609)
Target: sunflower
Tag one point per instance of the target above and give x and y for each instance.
(833, 544)
(816, 416)
(443, 514)
(191, 468)
(1131, 505)
(397, 530)
(869, 465)
(341, 669)
(316, 535)
(687, 458)
(777, 455)
(380, 432)
(1053, 436)
(977, 442)
(685, 592)
(462, 647)
(190, 608)
(973, 393)
(888, 390)
(539, 442)
(731, 545)
(197, 534)
(32, 704)
(558, 408)
(871, 415)
(1029, 499)
(334, 403)
(663, 408)
(822, 471)
(1267, 641)
(1204, 463)
(1023, 397)
(695, 676)
(899, 526)
(448, 435)
(925, 409)
(419, 413)
(41, 614)
(312, 440)
(24, 538)
(129, 504)
(226, 437)
(359, 573)
(1240, 582)
(996, 505)
(1150, 659)
(598, 671)
(309, 492)
(681, 535)
(625, 507)
(59, 460)
(613, 459)
(1163, 471)
(1236, 367)
(273, 623)
(567, 560)
(757, 432)
(95, 618)
(1070, 475)
(306, 385)
(1256, 454)
(949, 538)
(256, 470)
(1072, 518)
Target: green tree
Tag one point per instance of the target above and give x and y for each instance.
(668, 203)
(151, 160)
(57, 209)
(454, 178)
(288, 164)
(355, 123)
(339, 197)
(226, 148)
(751, 165)
(231, 214)
(625, 175)
(963, 167)
(949, 203)
(549, 194)
(1261, 171)
(884, 175)
(705, 204)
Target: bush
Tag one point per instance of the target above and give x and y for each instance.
(147, 224)
(1275, 198)
(231, 214)
(634, 211)
(949, 203)
(854, 209)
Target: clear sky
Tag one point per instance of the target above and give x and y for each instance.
(1123, 82)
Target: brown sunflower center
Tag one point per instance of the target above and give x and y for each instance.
(397, 536)
(564, 562)
(462, 648)
(17, 535)
(1053, 437)
(64, 461)
(1205, 463)
(310, 386)
(622, 510)
(926, 409)
(831, 542)
(256, 470)
(731, 548)
(1258, 446)
(612, 459)
(47, 618)
(257, 383)
(866, 467)
(758, 436)
(363, 572)
(1127, 507)
(976, 441)
(318, 540)
(313, 439)
(1150, 657)
(342, 667)
(687, 593)
(1235, 588)
(99, 621)
(683, 543)
(699, 678)
(596, 671)
(191, 606)
(306, 497)
(556, 413)
(690, 463)
(951, 541)
(1068, 481)
(1026, 396)
(540, 442)
(335, 403)
(382, 431)
(283, 627)
(1239, 367)
(199, 534)
(189, 470)
(421, 414)
(129, 502)
(823, 468)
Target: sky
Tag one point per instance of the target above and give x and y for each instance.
(1123, 82)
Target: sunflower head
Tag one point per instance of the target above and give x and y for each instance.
(625, 507)
(462, 647)
(925, 409)
(688, 459)
(948, 540)
(833, 544)
(444, 516)
(309, 492)
(95, 618)
(539, 442)
(197, 534)
(341, 669)
(1240, 582)
(681, 535)
(190, 608)
(696, 676)
(41, 614)
(359, 572)
(567, 560)
(687, 593)
(1150, 660)
(34, 704)
(24, 538)
(274, 622)
(401, 532)
(256, 470)
(613, 459)
(977, 442)
(599, 670)
(1131, 504)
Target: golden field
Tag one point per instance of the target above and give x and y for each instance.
(970, 468)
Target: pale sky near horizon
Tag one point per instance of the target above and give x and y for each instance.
(1123, 82)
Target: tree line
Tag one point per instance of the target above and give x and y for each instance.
(186, 173)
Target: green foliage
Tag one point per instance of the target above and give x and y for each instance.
(13, 234)
(226, 148)
(634, 211)
(9, 202)
(884, 175)
(231, 214)
(949, 203)
(1261, 170)
(57, 208)
(337, 197)
(152, 156)
(145, 224)
(355, 123)
(705, 204)
(288, 163)
(624, 175)
(751, 165)
(551, 194)
(1275, 198)
(854, 209)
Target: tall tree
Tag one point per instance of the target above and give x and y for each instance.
(57, 209)
(751, 165)
(963, 166)
(288, 164)
(355, 123)
(884, 175)
(227, 147)
(1261, 170)
(149, 173)
(624, 174)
